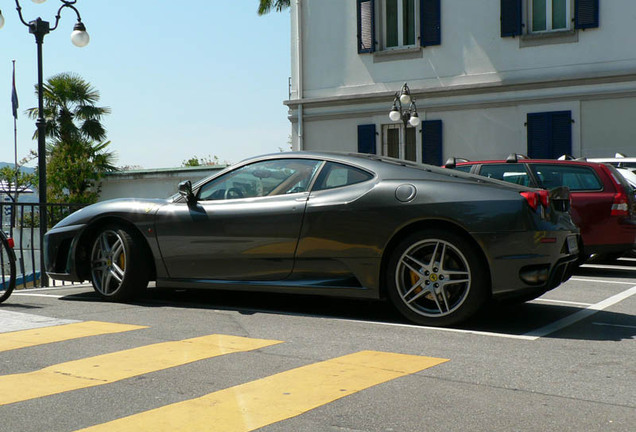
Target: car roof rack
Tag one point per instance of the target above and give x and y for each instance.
(570, 157)
(452, 161)
(514, 157)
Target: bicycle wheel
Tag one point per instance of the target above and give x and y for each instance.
(7, 263)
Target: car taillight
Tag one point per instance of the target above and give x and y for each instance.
(620, 206)
(536, 198)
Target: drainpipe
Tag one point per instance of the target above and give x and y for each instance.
(299, 72)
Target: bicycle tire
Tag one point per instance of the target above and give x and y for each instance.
(7, 262)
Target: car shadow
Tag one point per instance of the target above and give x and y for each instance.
(506, 320)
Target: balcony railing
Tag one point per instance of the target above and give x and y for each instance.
(21, 221)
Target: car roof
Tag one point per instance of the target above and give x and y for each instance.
(384, 167)
(517, 158)
(613, 160)
(531, 161)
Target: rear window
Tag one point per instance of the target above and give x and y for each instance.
(577, 178)
(512, 173)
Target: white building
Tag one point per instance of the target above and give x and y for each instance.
(490, 77)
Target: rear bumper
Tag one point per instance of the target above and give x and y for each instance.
(514, 255)
(614, 235)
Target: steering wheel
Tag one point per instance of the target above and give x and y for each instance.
(233, 193)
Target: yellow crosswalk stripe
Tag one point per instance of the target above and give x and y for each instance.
(59, 333)
(275, 398)
(108, 368)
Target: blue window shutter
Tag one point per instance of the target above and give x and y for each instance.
(538, 140)
(366, 139)
(430, 23)
(366, 26)
(561, 133)
(511, 17)
(549, 134)
(586, 14)
(432, 142)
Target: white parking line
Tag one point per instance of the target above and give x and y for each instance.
(601, 281)
(608, 267)
(36, 295)
(541, 300)
(452, 330)
(578, 316)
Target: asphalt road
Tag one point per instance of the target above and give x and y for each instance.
(218, 361)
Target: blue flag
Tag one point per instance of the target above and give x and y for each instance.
(14, 96)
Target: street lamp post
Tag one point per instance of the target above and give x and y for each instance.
(404, 110)
(40, 28)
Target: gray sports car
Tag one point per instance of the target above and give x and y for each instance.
(438, 243)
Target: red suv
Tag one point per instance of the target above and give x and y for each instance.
(602, 202)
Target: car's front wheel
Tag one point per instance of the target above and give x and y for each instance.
(437, 278)
(118, 266)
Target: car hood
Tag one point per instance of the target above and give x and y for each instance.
(129, 208)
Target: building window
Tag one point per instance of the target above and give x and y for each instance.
(520, 17)
(399, 23)
(549, 134)
(549, 15)
(393, 144)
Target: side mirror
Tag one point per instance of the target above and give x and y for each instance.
(185, 190)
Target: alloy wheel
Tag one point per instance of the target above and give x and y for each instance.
(108, 262)
(433, 278)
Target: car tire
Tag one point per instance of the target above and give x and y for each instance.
(437, 278)
(119, 270)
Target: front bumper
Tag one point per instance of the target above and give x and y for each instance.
(60, 250)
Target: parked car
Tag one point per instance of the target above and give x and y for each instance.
(603, 203)
(619, 161)
(439, 244)
(629, 174)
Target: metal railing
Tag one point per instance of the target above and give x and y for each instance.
(21, 222)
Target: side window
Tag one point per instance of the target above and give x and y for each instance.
(463, 168)
(577, 178)
(335, 175)
(266, 178)
(512, 173)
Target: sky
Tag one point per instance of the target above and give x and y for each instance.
(200, 78)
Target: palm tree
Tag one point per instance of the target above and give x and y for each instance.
(69, 109)
(77, 153)
(265, 6)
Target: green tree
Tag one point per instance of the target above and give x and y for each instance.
(70, 109)
(14, 180)
(77, 153)
(75, 169)
(195, 161)
(265, 6)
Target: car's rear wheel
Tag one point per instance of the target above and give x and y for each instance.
(118, 266)
(437, 278)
